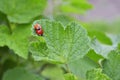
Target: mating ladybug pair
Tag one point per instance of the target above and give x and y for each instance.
(38, 29)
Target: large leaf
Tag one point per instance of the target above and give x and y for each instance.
(20, 74)
(96, 74)
(18, 40)
(65, 44)
(81, 66)
(22, 11)
(111, 66)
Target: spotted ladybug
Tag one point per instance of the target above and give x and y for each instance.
(38, 29)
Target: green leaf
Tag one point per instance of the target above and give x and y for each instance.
(53, 73)
(104, 26)
(40, 51)
(81, 66)
(64, 44)
(96, 74)
(94, 56)
(18, 40)
(100, 48)
(101, 36)
(22, 11)
(98, 30)
(111, 66)
(20, 74)
(83, 4)
(70, 76)
(75, 6)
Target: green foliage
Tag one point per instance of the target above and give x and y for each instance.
(70, 37)
(19, 11)
(101, 49)
(81, 66)
(66, 51)
(96, 74)
(38, 50)
(111, 66)
(18, 40)
(101, 36)
(2, 18)
(70, 76)
(20, 74)
(93, 56)
(75, 6)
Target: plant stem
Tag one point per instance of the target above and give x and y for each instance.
(68, 70)
(8, 24)
(42, 68)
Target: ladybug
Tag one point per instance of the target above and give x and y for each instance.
(38, 29)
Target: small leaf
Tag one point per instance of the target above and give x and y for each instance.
(75, 6)
(111, 66)
(96, 74)
(20, 74)
(70, 76)
(94, 56)
(65, 44)
(22, 11)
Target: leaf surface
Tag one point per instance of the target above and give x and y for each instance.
(111, 66)
(64, 44)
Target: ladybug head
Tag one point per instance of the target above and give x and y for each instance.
(37, 27)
